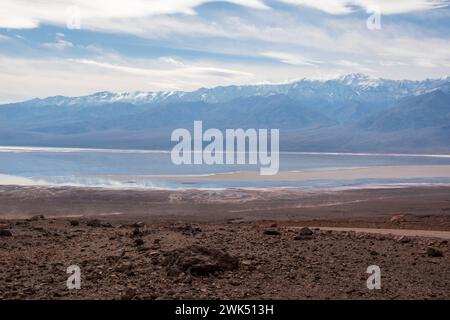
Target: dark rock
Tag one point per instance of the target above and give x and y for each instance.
(74, 223)
(136, 233)
(5, 233)
(139, 224)
(139, 242)
(272, 232)
(299, 237)
(199, 261)
(432, 252)
(106, 224)
(95, 223)
(187, 229)
(305, 233)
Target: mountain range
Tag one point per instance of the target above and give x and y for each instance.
(350, 113)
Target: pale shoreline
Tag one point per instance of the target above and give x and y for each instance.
(384, 172)
(371, 177)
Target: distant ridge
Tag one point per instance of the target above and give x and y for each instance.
(352, 113)
(344, 87)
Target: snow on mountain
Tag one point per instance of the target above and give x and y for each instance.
(344, 88)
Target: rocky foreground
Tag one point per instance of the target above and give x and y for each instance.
(175, 260)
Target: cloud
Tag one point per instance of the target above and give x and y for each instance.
(181, 71)
(173, 45)
(385, 6)
(346, 63)
(59, 44)
(4, 38)
(288, 58)
(23, 14)
(172, 61)
(47, 77)
(26, 14)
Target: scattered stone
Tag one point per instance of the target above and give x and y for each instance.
(199, 261)
(129, 294)
(5, 233)
(139, 224)
(4, 226)
(398, 218)
(272, 232)
(125, 267)
(432, 252)
(236, 221)
(37, 217)
(95, 223)
(246, 263)
(106, 224)
(187, 229)
(403, 239)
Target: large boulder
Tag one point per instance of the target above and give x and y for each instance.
(199, 261)
(305, 233)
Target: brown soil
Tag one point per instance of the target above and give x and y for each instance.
(220, 254)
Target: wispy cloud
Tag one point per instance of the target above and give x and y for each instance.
(288, 58)
(384, 6)
(60, 43)
(181, 71)
(4, 38)
(30, 14)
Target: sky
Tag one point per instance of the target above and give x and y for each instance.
(78, 47)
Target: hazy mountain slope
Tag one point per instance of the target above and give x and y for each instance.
(424, 111)
(351, 113)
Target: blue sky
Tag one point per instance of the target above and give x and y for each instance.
(153, 45)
